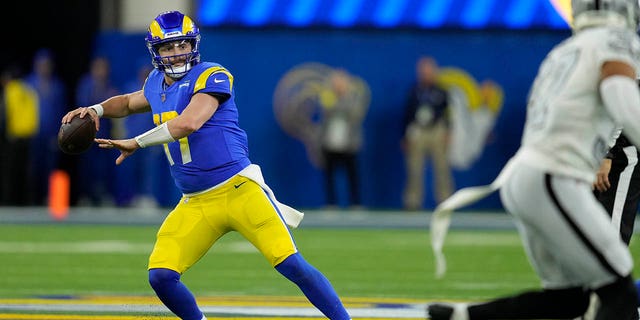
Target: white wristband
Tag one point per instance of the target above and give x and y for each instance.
(155, 136)
(98, 109)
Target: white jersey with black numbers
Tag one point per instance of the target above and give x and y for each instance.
(567, 129)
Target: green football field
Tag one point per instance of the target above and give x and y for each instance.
(50, 260)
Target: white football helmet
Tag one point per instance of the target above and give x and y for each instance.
(615, 13)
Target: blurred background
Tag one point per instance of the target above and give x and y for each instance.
(280, 53)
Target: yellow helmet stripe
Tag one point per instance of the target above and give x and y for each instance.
(155, 30)
(187, 25)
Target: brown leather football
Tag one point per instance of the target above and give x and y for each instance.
(77, 136)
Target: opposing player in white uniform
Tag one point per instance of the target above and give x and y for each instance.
(584, 89)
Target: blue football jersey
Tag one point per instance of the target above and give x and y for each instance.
(216, 151)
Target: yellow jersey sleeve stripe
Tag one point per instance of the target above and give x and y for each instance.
(202, 79)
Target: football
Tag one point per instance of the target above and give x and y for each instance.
(77, 136)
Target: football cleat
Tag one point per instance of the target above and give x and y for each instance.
(439, 311)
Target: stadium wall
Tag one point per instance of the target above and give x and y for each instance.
(258, 58)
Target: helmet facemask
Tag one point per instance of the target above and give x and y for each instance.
(186, 60)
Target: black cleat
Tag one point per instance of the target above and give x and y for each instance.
(439, 312)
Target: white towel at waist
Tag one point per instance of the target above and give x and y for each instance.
(441, 218)
(291, 216)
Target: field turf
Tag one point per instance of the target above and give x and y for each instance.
(63, 261)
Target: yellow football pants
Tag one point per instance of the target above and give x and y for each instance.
(197, 222)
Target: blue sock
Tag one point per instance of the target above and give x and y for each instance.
(314, 285)
(173, 293)
(638, 289)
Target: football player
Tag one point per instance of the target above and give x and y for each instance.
(617, 185)
(584, 90)
(617, 188)
(193, 106)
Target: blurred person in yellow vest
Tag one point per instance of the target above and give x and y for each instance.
(21, 125)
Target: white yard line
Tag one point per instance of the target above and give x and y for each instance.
(399, 312)
(105, 246)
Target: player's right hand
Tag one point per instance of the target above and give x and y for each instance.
(126, 146)
(602, 183)
(82, 111)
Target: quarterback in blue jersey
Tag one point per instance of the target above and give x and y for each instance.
(196, 121)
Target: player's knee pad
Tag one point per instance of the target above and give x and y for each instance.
(160, 278)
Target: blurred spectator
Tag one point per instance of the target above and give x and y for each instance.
(344, 105)
(96, 173)
(426, 136)
(147, 166)
(4, 191)
(45, 154)
(21, 125)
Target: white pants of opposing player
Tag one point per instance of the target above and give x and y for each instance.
(567, 234)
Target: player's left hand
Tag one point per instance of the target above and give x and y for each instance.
(602, 183)
(127, 147)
